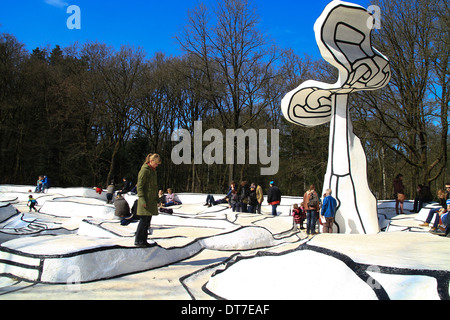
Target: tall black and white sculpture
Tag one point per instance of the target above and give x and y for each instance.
(343, 34)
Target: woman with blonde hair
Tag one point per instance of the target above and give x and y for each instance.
(147, 189)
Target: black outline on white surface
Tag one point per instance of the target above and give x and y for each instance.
(442, 277)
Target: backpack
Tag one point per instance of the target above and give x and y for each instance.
(313, 200)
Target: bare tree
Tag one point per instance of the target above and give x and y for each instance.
(13, 111)
(114, 93)
(235, 57)
(415, 39)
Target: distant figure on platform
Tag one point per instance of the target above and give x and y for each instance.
(274, 197)
(252, 199)
(399, 193)
(109, 193)
(230, 191)
(329, 211)
(211, 202)
(259, 198)
(244, 191)
(127, 186)
(45, 184)
(423, 195)
(32, 202)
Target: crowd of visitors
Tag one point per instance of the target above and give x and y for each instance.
(249, 197)
(246, 198)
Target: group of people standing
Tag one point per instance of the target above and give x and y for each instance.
(312, 208)
(248, 198)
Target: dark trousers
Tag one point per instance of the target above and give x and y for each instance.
(210, 199)
(418, 204)
(142, 229)
(258, 207)
(311, 218)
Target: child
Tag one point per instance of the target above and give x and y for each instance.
(32, 203)
(298, 215)
(39, 186)
(170, 199)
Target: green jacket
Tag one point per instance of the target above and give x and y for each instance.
(147, 189)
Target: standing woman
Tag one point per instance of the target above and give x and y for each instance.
(147, 189)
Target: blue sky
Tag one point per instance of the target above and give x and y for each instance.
(150, 24)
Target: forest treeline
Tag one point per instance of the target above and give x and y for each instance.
(88, 114)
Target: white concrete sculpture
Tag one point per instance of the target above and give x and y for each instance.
(343, 34)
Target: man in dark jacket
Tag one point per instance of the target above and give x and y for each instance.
(252, 200)
(274, 197)
(127, 186)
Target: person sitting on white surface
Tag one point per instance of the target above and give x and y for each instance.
(438, 212)
(170, 199)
